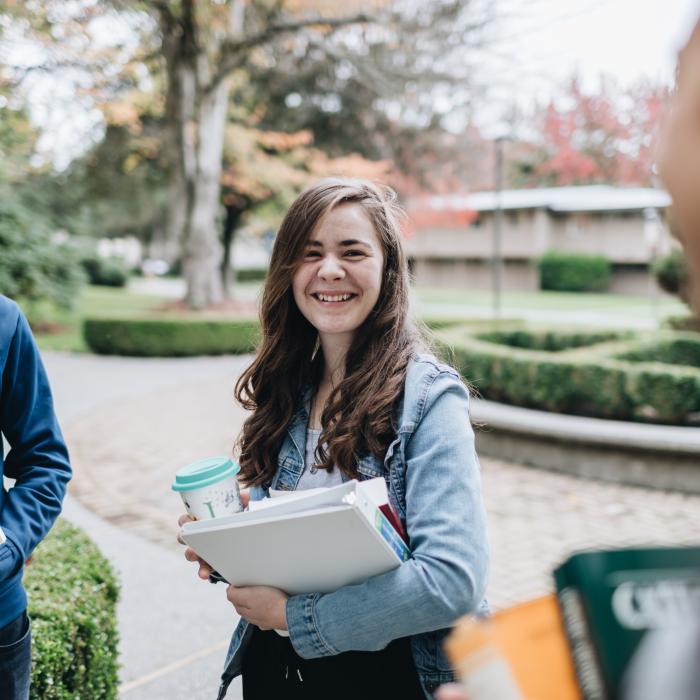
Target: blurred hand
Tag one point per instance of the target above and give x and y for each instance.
(451, 691)
(204, 569)
(679, 150)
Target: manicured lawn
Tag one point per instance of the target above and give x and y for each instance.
(66, 326)
(480, 299)
(550, 301)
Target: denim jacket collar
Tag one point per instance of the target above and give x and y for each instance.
(291, 456)
(290, 461)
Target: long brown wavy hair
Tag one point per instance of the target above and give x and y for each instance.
(359, 415)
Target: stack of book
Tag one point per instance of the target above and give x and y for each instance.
(313, 541)
(579, 642)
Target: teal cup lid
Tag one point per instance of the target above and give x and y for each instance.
(204, 472)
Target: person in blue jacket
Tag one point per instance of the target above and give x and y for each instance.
(344, 386)
(38, 463)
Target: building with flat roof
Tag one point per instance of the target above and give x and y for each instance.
(450, 237)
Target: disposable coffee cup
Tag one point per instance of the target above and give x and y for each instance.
(209, 488)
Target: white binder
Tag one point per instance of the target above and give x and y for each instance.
(306, 543)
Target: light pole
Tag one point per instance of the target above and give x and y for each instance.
(652, 239)
(496, 252)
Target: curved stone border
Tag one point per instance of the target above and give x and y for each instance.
(656, 456)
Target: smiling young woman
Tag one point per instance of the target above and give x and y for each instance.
(342, 387)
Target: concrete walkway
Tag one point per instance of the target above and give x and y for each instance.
(131, 422)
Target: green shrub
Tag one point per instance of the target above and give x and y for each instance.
(251, 274)
(107, 272)
(72, 604)
(680, 351)
(551, 341)
(671, 272)
(170, 337)
(32, 267)
(684, 323)
(584, 381)
(573, 272)
(436, 323)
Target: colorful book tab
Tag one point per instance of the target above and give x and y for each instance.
(387, 531)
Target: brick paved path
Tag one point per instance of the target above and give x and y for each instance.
(125, 453)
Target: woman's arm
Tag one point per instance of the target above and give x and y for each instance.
(446, 575)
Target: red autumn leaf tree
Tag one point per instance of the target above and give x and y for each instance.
(587, 137)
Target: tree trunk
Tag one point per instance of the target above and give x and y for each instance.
(202, 251)
(198, 63)
(233, 217)
(175, 217)
(176, 211)
(196, 114)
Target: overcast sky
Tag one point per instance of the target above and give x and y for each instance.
(625, 38)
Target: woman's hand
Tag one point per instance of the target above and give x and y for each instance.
(262, 606)
(679, 154)
(190, 554)
(451, 691)
(204, 569)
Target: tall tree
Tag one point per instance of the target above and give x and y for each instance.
(408, 55)
(203, 44)
(206, 46)
(407, 97)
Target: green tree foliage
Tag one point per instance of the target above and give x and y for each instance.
(388, 94)
(17, 138)
(671, 272)
(403, 59)
(32, 267)
(115, 189)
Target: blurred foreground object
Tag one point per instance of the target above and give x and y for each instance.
(608, 601)
(666, 665)
(611, 599)
(679, 156)
(517, 654)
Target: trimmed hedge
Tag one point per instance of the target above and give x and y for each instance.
(680, 351)
(72, 604)
(684, 323)
(551, 341)
(671, 272)
(573, 272)
(107, 272)
(251, 274)
(157, 337)
(437, 323)
(585, 380)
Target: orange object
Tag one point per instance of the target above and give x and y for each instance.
(518, 654)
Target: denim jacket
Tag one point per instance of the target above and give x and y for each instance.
(434, 483)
